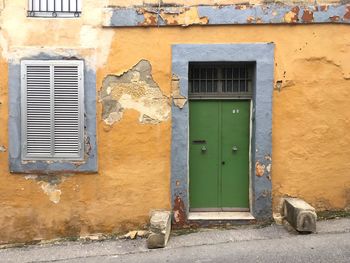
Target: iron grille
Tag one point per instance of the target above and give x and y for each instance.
(54, 8)
(220, 79)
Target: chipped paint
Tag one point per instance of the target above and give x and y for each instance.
(271, 13)
(135, 89)
(268, 168)
(347, 14)
(292, 16)
(308, 16)
(188, 17)
(2, 149)
(178, 99)
(179, 212)
(259, 169)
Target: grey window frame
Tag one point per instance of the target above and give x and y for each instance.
(52, 63)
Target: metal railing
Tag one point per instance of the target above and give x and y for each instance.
(220, 79)
(54, 8)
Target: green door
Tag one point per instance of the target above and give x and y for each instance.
(219, 155)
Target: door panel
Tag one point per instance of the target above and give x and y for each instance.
(219, 154)
(235, 116)
(204, 166)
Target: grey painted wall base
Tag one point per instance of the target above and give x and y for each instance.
(89, 164)
(261, 143)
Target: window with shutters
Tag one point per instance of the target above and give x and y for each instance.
(52, 110)
(54, 8)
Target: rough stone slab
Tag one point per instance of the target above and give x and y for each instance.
(299, 214)
(160, 227)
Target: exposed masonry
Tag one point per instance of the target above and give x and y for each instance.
(273, 13)
(136, 89)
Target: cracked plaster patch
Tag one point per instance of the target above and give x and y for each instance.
(134, 89)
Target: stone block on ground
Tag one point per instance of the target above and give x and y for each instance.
(160, 227)
(299, 214)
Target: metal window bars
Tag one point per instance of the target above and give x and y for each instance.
(221, 79)
(54, 8)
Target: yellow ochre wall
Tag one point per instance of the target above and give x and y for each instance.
(311, 120)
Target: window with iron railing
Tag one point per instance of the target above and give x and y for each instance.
(54, 8)
(221, 79)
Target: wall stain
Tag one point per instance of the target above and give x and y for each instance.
(49, 185)
(51, 190)
(179, 213)
(134, 89)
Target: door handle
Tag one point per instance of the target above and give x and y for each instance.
(234, 148)
(199, 142)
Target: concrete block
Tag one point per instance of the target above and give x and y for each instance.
(160, 227)
(299, 214)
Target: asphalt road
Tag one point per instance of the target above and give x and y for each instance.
(244, 244)
(317, 248)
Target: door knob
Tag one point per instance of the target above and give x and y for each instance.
(204, 149)
(234, 148)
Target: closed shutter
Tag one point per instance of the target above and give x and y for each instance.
(52, 110)
(38, 111)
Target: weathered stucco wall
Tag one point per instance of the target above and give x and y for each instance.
(133, 67)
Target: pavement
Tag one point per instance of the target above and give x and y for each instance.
(273, 243)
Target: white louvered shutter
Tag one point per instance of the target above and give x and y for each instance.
(52, 110)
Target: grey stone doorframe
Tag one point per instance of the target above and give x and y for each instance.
(261, 141)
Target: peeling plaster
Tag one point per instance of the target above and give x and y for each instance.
(188, 16)
(134, 89)
(2, 149)
(268, 13)
(178, 99)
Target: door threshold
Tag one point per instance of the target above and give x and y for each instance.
(220, 216)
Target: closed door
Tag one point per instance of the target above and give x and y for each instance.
(219, 155)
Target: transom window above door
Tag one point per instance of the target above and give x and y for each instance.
(54, 8)
(221, 79)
